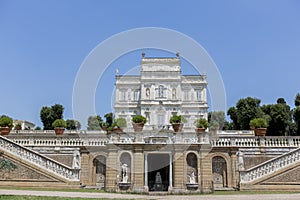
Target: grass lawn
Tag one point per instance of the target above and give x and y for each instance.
(21, 197)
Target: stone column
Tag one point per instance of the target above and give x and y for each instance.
(146, 173)
(170, 172)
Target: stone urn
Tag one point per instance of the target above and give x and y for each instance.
(177, 127)
(138, 127)
(4, 130)
(260, 131)
(200, 130)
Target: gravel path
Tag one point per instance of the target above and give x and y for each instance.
(168, 197)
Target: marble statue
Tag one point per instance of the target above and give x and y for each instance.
(76, 160)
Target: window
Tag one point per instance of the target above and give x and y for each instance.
(186, 95)
(161, 91)
(122, 96)
(199, 95)
(136, 95)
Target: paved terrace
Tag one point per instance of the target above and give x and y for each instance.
(87, 195)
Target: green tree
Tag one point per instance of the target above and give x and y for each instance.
(232, 112)
(217, 119)
(297, 100)
(94, 123)
(49, 114)
(109, 118)
(296, 116)
(245, 110)
(280, 117)
(73, 124)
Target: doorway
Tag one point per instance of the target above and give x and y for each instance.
(158, 172)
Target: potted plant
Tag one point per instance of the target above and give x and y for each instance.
(6, 123)
(138, 122)
(18, 127)
(119, 124)
(201, 125)
(177, 122)
(260, 126)
(59, 126)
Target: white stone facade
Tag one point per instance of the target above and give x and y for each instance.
(159, 92)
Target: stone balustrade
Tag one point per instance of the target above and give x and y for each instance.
(38, 159)
(270, 166)
(99, 138)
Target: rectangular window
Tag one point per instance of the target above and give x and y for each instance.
(186, 95)
(199, 95)
(136, 95)
(122, 96)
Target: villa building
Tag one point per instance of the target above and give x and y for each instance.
(156, 159)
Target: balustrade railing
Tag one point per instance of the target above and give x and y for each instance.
(270, 166)
(96, 138)
(38, 159)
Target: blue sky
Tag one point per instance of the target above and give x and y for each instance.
(255, 44)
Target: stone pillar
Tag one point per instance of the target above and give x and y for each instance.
(234, 170)
(112, 170)
(138, 170)
(179, 171)
(85, 169)
(146, 172)
(206, 171)
(170, 172)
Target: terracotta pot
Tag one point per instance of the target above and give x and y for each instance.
(118, 130)
(138, 127)
(200, 130)
(260, 131)
(59, 130)
(4, 130)
(177, 127)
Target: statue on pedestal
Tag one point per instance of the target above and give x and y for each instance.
(124, 173)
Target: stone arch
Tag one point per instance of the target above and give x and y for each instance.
(219, 171)
(125, 170)
(192, 167)
(99, 171)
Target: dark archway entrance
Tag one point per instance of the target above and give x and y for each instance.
(158, 172)
(99, 166)
(219, 172)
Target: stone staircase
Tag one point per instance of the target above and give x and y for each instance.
(56, 171)
(271, 168)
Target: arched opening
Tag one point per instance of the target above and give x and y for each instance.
(192, 168)
(125, 168)
(99, 166)
(158, 172)
(219, 172)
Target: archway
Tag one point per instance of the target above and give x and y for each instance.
(192, 168)
(219, 172)
(125, 168)
(158, 172)
(99, 166)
